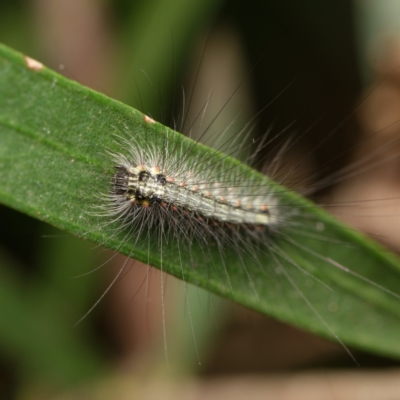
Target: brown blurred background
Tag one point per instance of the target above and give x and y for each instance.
(330, 69)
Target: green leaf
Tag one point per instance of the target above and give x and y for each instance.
(54, 165)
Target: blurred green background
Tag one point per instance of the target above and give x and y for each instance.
(143, 53)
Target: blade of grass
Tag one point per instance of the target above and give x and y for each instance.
(53, 162)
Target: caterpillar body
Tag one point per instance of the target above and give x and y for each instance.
(195, 199)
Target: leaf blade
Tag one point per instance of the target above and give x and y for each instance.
(54, 161)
